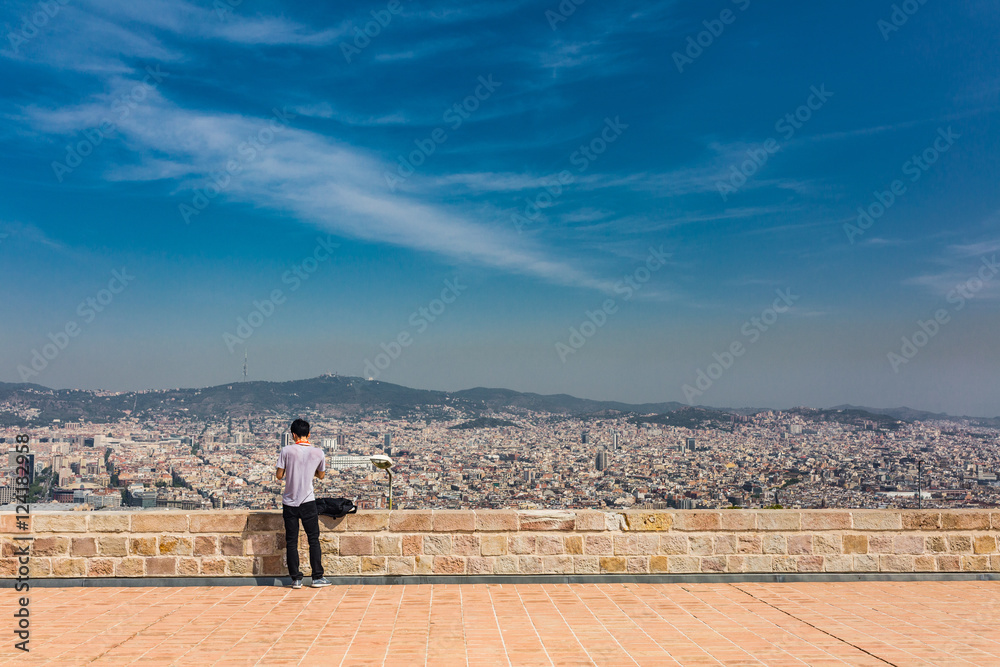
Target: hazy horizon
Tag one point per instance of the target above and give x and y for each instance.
(732, 204)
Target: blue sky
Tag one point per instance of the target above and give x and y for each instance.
(210, 151)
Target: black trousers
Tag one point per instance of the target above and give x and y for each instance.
(310, 521)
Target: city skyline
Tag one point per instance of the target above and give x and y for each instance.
(742, 204)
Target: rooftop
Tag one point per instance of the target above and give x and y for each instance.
(856, 623)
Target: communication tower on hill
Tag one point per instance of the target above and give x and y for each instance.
(244, 365)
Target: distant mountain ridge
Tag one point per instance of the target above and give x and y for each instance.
(347, 396)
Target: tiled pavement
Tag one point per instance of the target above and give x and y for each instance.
(867, 623)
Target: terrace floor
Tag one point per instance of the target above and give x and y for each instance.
(864, 623)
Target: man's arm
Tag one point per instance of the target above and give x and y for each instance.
(279, 473)
(320, 474)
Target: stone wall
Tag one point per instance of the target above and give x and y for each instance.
(482, 542)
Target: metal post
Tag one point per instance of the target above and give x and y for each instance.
(390, 487)
(920, 467)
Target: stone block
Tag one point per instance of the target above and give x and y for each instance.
(647, 521)
(546, 520)
(984, 544)
(700, 545)
(206, 545)
(413, 545)
(84, 546)
(38, 567)
(877, 520)
(231, 545)
(855, 544)
(965, 520)
(828, 544)
(344, 565)
(549, 545)
(162, 566)
(995, 520)
(521, 544)
(557, 564)
(159, 522)
(496, 521)
(799, 545)
(268, 522)
(100, 567)
(400, 565)
(356, 545)
(908, 544)
(935, 543)
(586, 565)
(262, 544)
(465, 545)
(423, 564)
(9, 524)
(995, 563)
(411, 521)
(187, 566)
(274, 566)
(736, 563)
(837, 563)
(672, 545)
(438, 545)
(175, 545)
(809, 563)
(659, 564)
(574, 544)
(388, 545)
(880, 544)
(785, 563)
(820, 520)
(758, 563)
(133, 566)
(713, 564)
(724, 544)
(948, 563)
(373, 565)
(774, 544)
(449, 521)
(738, 520)
(924, 563)
(921, 520)
(48, 546)
(975, 563)
(959, 543)
(530, 565)
(75, 522)
(479, 565)
(684, 563)
(108, 523)
(613, 565)
(697, 520)
(505, 565)
(218, 522)
(142, 546)
(774, 520)
(590, 520)
(599, 545)
(493, 545)
(8, 568)
(895, 563)
(749, 544)
(367, 521)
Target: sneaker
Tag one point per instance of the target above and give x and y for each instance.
(296, 583)
(319, 583)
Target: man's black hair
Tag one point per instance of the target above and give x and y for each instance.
(300, 427)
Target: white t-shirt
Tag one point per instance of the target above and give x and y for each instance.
(300, 463)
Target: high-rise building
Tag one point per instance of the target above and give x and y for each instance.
(690, 444)
(585, 437)
(286, 439)
(602, 460)
(387, 441)
(616, 439)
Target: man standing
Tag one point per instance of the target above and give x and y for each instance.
(298, 463)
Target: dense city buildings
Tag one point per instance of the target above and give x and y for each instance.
(518, 459)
